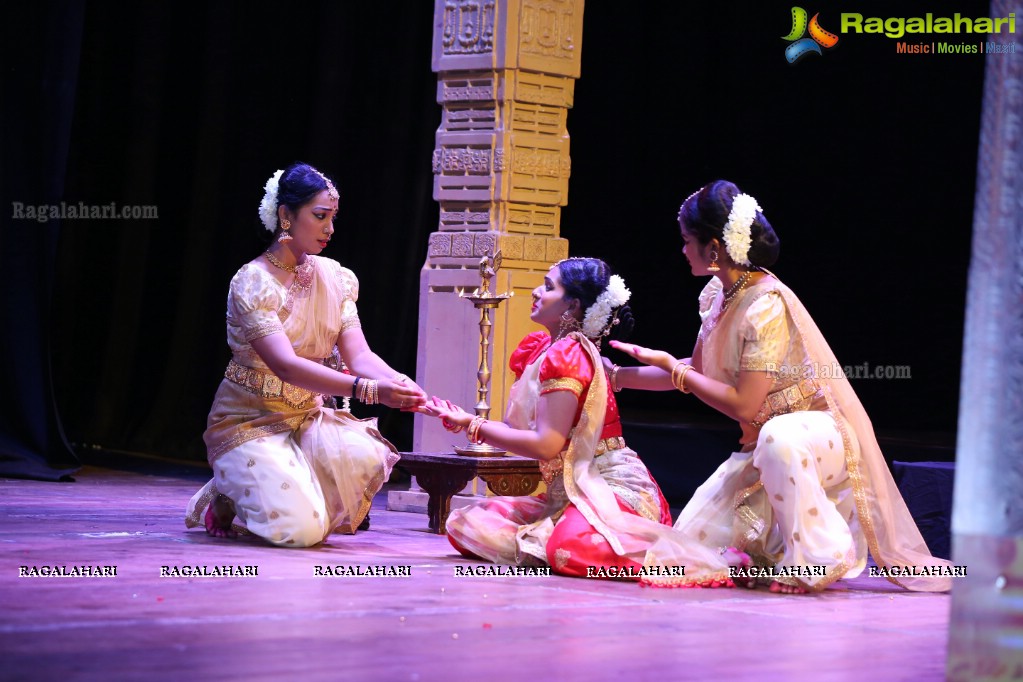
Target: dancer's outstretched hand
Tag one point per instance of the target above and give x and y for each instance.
(648, 356)
(452, 416)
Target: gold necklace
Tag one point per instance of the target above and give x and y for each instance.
(739, 284)
(734, 290)
(283, 266)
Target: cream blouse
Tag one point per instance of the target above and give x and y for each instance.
(313, 311)
(757, 333)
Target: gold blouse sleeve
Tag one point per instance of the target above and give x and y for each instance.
(349, 311)
(562, 384)
(766, 334)
(252, 303)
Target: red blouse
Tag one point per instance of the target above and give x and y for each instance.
(566, 367)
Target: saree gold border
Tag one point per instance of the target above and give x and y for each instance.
(303, 280)
(755, 525)
(852, 465)
(371, 489)
(851, 460)
(562, 384)
(597, 386)
(737, 507)
(193, 520)
(684, 581)
(289, 424)
(744, 494)
(837, 573)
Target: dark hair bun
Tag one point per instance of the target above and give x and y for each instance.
(705, 213)
(763, 250)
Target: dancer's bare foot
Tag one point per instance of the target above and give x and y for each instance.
(782, 588)
(219, 516)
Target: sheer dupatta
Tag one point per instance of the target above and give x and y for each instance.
(647, 542)
(892, 536)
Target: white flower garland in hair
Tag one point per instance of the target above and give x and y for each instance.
(596, 320)
(736, 233)
(268, 206)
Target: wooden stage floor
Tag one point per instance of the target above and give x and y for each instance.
(286, 623)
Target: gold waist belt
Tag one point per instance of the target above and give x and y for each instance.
(789, 399)
(268, 385)
(612, 443)
(552, 468)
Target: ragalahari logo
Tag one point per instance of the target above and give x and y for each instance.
(801, 46)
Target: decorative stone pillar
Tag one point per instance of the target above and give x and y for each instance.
(986, 628)
(506, 73)
(506, 77)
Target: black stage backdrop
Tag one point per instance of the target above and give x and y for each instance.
(863, 159)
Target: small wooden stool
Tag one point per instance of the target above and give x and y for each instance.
(442, 474)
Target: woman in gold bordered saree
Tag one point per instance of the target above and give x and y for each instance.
(809, 493)
(602, 511)
(287, 467)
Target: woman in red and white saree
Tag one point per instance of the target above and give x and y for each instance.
(602, 512)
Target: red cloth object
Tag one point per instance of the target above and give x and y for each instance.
(566, 358)
(528, 350)
(463, 551)
(586, 547)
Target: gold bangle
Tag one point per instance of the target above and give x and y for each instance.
(674, 373)
(367, 391)
(614, 379)
(682, 379)
(678, 377)
(473, 432)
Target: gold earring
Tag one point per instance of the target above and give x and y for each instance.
(713, 267)
(285, 226)
(568, 325)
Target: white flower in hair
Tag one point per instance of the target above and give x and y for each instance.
(736, 233)
(597, 318)
(268, 206)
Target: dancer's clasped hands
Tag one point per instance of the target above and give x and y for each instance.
(453, 417)
(401, 393)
